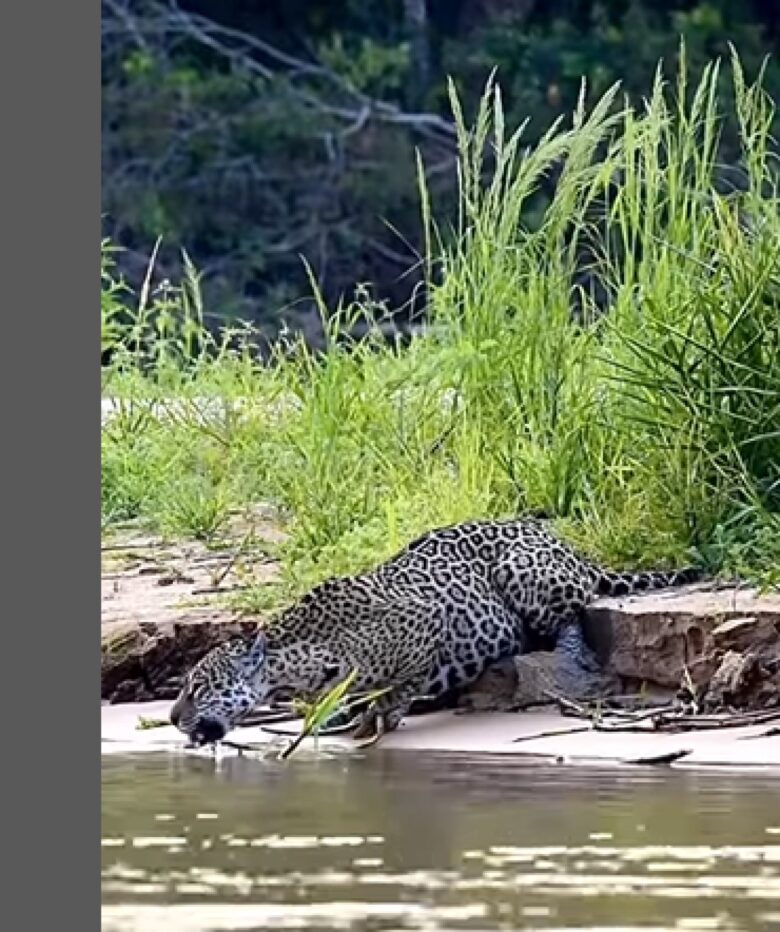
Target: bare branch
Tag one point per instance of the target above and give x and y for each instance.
(256, 210)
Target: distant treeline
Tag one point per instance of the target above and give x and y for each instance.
(256, 133)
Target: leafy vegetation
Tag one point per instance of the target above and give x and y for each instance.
(640, 410)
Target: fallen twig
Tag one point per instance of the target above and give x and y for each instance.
(619, 703)
(143, 545)
(293, 745)
(323, 732)
(218, 578)
(568, 705)
(667, 717)
(240, 746)
(668, 758)
(769, 733)
(706, 722)
(174, 577)
(628, 723)
(219, 590)
(267, 718)
(554, 733)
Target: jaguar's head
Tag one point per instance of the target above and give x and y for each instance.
(235, 677)
(221, 689)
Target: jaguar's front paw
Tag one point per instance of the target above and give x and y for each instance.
(375, 723)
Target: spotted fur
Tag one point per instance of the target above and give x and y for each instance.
(427, 621)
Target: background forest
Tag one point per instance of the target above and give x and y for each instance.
(257, 133)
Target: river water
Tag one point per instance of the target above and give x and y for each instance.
(397, 841)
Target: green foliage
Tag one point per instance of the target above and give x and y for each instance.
(331, 704)
(649, 432)
(194, 507)
(112, 307)
(370, 66)
(540, 61)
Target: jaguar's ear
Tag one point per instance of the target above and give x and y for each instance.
(254, 658)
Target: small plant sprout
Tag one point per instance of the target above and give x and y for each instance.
(321, 711)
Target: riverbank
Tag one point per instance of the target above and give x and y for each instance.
(536, 734)
(642, 423)
(165, 604)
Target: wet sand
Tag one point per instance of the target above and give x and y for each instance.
(523, 734)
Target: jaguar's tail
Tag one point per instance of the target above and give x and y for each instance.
(617, 584)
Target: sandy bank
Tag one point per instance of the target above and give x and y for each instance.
(524, 734)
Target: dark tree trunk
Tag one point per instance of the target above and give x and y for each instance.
(416, 22)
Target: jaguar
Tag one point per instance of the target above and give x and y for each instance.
(425, 622)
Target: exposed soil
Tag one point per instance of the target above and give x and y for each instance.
(166, 604)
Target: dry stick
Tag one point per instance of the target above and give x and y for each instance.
(293, 745)
(568, 704)
(769, 733)
(639, 698)
(674, 723)
(665, 718)
(219, 590)
(175, 577)
(552, 734)
(628, 724)
(688, 680)
(643, 704)
(218, 579)
(148, 545)
(637, 714)
(630, 720)
(325, 732)
(705, 722)
(668, 758)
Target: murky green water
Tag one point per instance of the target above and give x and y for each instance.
(397, 841)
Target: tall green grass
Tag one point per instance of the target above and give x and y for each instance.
(649, 429)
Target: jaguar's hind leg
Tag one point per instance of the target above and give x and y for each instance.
(549, 597)
(576, 670)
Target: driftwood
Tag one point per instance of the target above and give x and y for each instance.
(668, 758)
(667, 717)
(553, 733)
